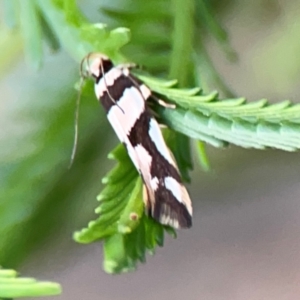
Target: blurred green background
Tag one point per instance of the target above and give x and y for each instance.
(245, 241)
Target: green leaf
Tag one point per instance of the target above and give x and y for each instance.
(68, 34)
(13, 287)
(77, 35)
(103, 40)
(150, 24)
(119, 195)
(218, 122)
(48, 34)
(37, 156)
(126, 231)
(123, 251)
(31, 29)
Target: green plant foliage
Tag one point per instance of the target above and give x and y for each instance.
(250, 125)
(162, 40)
(122, 251)
(12, 286)
(122, 225)
(40, 173)
(122, 189)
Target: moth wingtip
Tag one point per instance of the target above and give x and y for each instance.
(178, 219)
(180, 223)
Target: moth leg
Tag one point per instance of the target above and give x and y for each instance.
(137, 83)
(126, 67)
(162, 126)
(129, 65)
(163, 103)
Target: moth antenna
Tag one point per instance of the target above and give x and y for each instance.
(76, 119)
(81, 65)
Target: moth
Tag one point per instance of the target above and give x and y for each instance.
(124, 98)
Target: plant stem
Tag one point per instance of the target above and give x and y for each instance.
(183, 36)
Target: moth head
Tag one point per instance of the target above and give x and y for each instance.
(95, 65)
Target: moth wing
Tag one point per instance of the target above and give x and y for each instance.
(167, 198)
(169, 204)
(122, 118)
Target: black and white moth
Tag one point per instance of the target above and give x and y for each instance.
(124, 99)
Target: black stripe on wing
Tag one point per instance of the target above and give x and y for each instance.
(169, 211)
(139, 135)
(115, 92)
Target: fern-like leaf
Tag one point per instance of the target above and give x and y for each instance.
(218, 122)
(150, 24)
(12, 286)
(127, 233)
